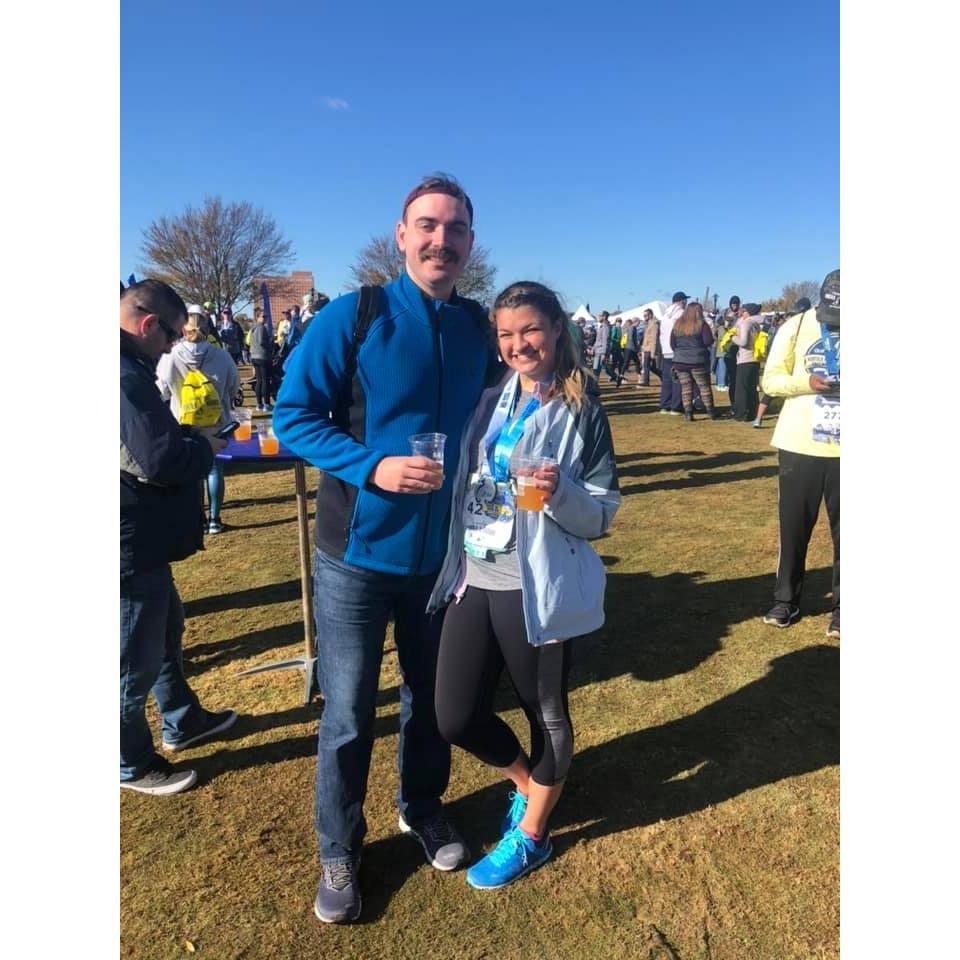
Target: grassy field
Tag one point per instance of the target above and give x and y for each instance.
(701, 816)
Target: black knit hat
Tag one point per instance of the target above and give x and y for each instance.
(828, 309)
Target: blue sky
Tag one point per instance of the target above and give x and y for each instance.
(617, 151)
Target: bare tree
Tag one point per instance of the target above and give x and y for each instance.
(215, 252)
(380, 261)
(791, 293)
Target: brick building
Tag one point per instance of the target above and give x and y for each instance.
(283, 292)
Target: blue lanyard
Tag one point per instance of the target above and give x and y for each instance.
(831, 350)
(500, 439)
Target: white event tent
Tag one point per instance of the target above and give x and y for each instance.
(658, 307)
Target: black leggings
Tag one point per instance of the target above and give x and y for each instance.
(481, 633)
(262, 386)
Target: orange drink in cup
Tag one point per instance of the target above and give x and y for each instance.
(245, 431)
(269, 444)
(529, 495)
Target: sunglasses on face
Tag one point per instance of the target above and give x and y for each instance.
(171, 334)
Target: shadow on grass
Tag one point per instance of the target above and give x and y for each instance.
(241, 599)
(268, 523)
(785, 724)
(700, 480)
(202, 656)
(704, 463)
(266, 501)
(628, 457)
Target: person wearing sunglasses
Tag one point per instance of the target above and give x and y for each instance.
(162, 467)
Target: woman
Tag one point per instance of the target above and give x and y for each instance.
(690, 340)
(525, 582)
(193, 352)
(261, 352)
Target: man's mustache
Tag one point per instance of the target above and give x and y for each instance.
(443, 254)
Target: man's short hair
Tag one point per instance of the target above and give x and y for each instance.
(156, 297)
(438, 183)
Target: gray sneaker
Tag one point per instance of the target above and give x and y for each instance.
(441, 843)
(161, 779)
(213, 723)
(338, 899)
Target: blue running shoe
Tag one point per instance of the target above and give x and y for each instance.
(512, 858)
(518, 807)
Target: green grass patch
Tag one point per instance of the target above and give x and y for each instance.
(701, 817)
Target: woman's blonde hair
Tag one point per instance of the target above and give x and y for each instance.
(570, 378)
(191, 329)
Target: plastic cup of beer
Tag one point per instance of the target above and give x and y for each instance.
(245, 431)
(529, 495)
(269, 444)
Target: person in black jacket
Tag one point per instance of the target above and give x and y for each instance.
(162, 468)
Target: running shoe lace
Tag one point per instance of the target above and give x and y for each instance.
(339, 875)
(508, 847)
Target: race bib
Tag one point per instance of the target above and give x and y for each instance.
(826, 420)
(488, 514)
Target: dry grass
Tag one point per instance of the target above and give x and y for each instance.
(701, 818)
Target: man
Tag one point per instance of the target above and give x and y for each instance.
(804, 367)
(231, 335)
(651, 340)
(601, 343)
(162, 467)
(670, 398)
(382, 522)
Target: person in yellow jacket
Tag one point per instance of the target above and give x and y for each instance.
(804, 368)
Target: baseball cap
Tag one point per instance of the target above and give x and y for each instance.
(828, 309)
(802, 305)
(678, 296)
(195, 308)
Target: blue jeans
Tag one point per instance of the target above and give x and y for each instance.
(353, 606)
(151, 660)
(720, 368)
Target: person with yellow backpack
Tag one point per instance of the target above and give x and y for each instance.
(199, 380)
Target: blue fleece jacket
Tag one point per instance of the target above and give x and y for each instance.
(420, 369)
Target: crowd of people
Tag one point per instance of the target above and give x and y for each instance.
(479, 553)
(692, 353)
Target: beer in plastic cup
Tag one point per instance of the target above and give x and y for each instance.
(529, 495)
(245, 431)
(269, 444)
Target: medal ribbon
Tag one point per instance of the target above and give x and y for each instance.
(831, 350)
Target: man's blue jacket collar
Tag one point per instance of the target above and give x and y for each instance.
(420, 303)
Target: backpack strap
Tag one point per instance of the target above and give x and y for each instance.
(367, 308)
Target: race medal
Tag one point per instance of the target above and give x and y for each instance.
(826, 420)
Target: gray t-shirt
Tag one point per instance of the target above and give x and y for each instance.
(501, 571)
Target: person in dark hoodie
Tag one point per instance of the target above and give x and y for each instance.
(162, 466)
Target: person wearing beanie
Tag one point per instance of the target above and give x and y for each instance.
(803, 366)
